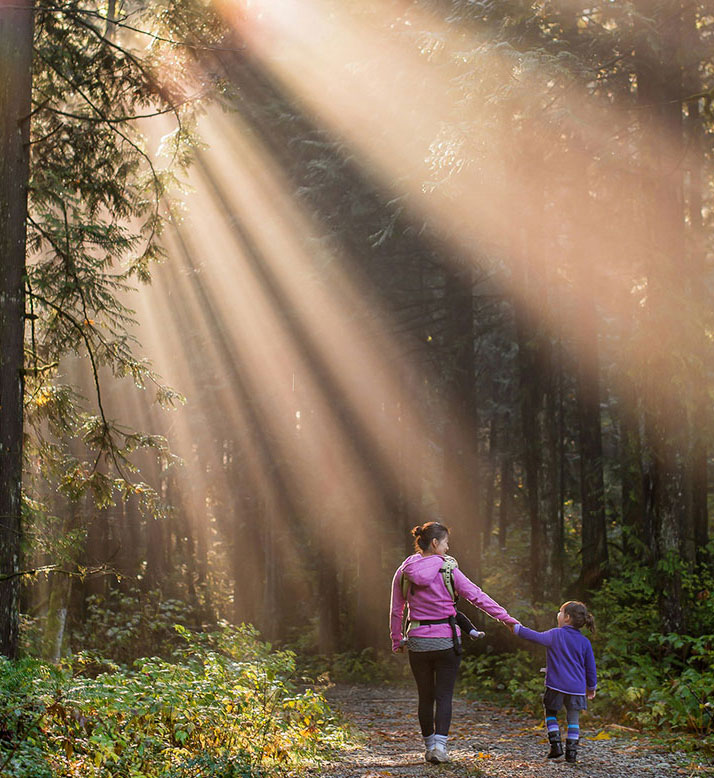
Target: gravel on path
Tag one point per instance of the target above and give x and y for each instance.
(485, 741)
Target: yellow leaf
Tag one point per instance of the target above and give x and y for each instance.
(601, 736)
(482, 755)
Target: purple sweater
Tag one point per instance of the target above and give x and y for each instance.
(429, 598)
(570, 662)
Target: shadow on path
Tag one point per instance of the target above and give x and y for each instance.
(485, 740)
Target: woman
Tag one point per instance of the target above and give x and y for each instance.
(433, 655)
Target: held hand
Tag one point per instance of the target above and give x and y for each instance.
(592, 693)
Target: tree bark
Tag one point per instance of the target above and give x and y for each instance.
(637, 531)
(489, 493)
(659, 89)
(697, 539)
(460, 500)
(506, 497)
(16, 42)
(592, 483)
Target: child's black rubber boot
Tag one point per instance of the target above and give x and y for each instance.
(571, 751)
(556, 745)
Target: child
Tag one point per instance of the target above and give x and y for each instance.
(467, 628)
(570, 675)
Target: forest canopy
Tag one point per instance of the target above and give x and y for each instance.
(281, 280)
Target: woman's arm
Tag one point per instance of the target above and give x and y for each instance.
(396, 610)
(468, 589)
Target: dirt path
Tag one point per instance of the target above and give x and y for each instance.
(484, 741)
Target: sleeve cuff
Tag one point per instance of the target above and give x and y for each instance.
(516, 628)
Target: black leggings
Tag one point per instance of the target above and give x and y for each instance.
(435, 676)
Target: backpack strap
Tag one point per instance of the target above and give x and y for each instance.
(447, 573)
(405, 584)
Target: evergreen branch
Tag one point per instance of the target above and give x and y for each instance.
(32, 321)
(48, 135)
(121, 23)
(156, 181)
(40, 369)
(111, 448)
(121, 119)
(58, 306)
(95, 373)
(81, 574)
(139, 65)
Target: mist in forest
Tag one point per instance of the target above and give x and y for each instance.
(421, 273)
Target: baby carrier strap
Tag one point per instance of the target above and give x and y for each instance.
(447, 573)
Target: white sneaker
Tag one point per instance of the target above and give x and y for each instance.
(439, 755)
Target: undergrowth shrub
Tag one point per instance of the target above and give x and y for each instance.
(650, 678)
(514, 677)
(122, 625)
(357, 667)
(223, 707)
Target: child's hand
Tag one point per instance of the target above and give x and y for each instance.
(591, 694)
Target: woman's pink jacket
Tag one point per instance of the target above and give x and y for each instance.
(429, 598)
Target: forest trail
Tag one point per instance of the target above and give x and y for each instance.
(485, 741)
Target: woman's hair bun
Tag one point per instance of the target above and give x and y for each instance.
(425, 533)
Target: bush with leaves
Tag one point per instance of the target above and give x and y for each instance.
(223, 707)
(124, 625)
(651, 678)
(512, 676)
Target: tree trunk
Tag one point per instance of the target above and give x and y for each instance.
(637, 531)
(592, 483)
(460, 501)
(506, 497)
(489, 494)
(54, 635)
(328, 592)
(16, 37)
(659, 88)
(697, 539)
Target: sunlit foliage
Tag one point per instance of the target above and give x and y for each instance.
(226, 706)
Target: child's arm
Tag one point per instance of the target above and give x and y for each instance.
(590, 671)
(466, 626)
(544, 638)
(464, 622)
